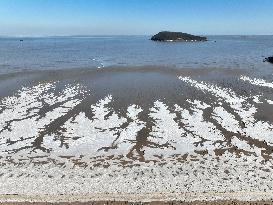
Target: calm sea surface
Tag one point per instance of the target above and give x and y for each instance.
(235, 52)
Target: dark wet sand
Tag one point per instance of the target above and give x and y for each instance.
(148, 203)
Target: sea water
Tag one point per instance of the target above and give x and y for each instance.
(47, 53)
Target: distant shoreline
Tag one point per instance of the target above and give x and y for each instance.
(133, 35)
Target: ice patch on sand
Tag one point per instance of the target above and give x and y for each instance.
(200, 132)
(23, 119)
(260, 130)
(269, 102)
(100, 135)
(87, 156)
(256, 81)
(226, 119)
(166, 133)
(256, 99)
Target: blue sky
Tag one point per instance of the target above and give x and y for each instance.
(122, 17)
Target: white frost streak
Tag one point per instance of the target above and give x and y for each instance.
(226, 120)
(270, 102)
(226, 94)
(260, 130)
(166, 130)
(18, 106)
(256, 99)
(256, 81)
(199, 128)
(129, 134)
(27, 122)
(85, 136)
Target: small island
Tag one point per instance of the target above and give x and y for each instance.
(168, 36)
(269, 59)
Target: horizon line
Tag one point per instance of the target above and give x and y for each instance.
(115, 35)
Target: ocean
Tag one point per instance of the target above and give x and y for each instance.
(223, 52)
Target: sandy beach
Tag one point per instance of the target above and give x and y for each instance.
(138, 134)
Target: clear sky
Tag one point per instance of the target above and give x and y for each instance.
(101, 17)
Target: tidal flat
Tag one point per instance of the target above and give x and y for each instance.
(137, 134)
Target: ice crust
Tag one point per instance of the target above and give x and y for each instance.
(88, 157)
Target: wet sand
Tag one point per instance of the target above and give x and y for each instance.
(189, 134)
(150, 203)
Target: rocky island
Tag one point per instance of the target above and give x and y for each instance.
(176, 36)
(269, 59)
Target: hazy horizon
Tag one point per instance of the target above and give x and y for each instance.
(115, 35)
(134, 17)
